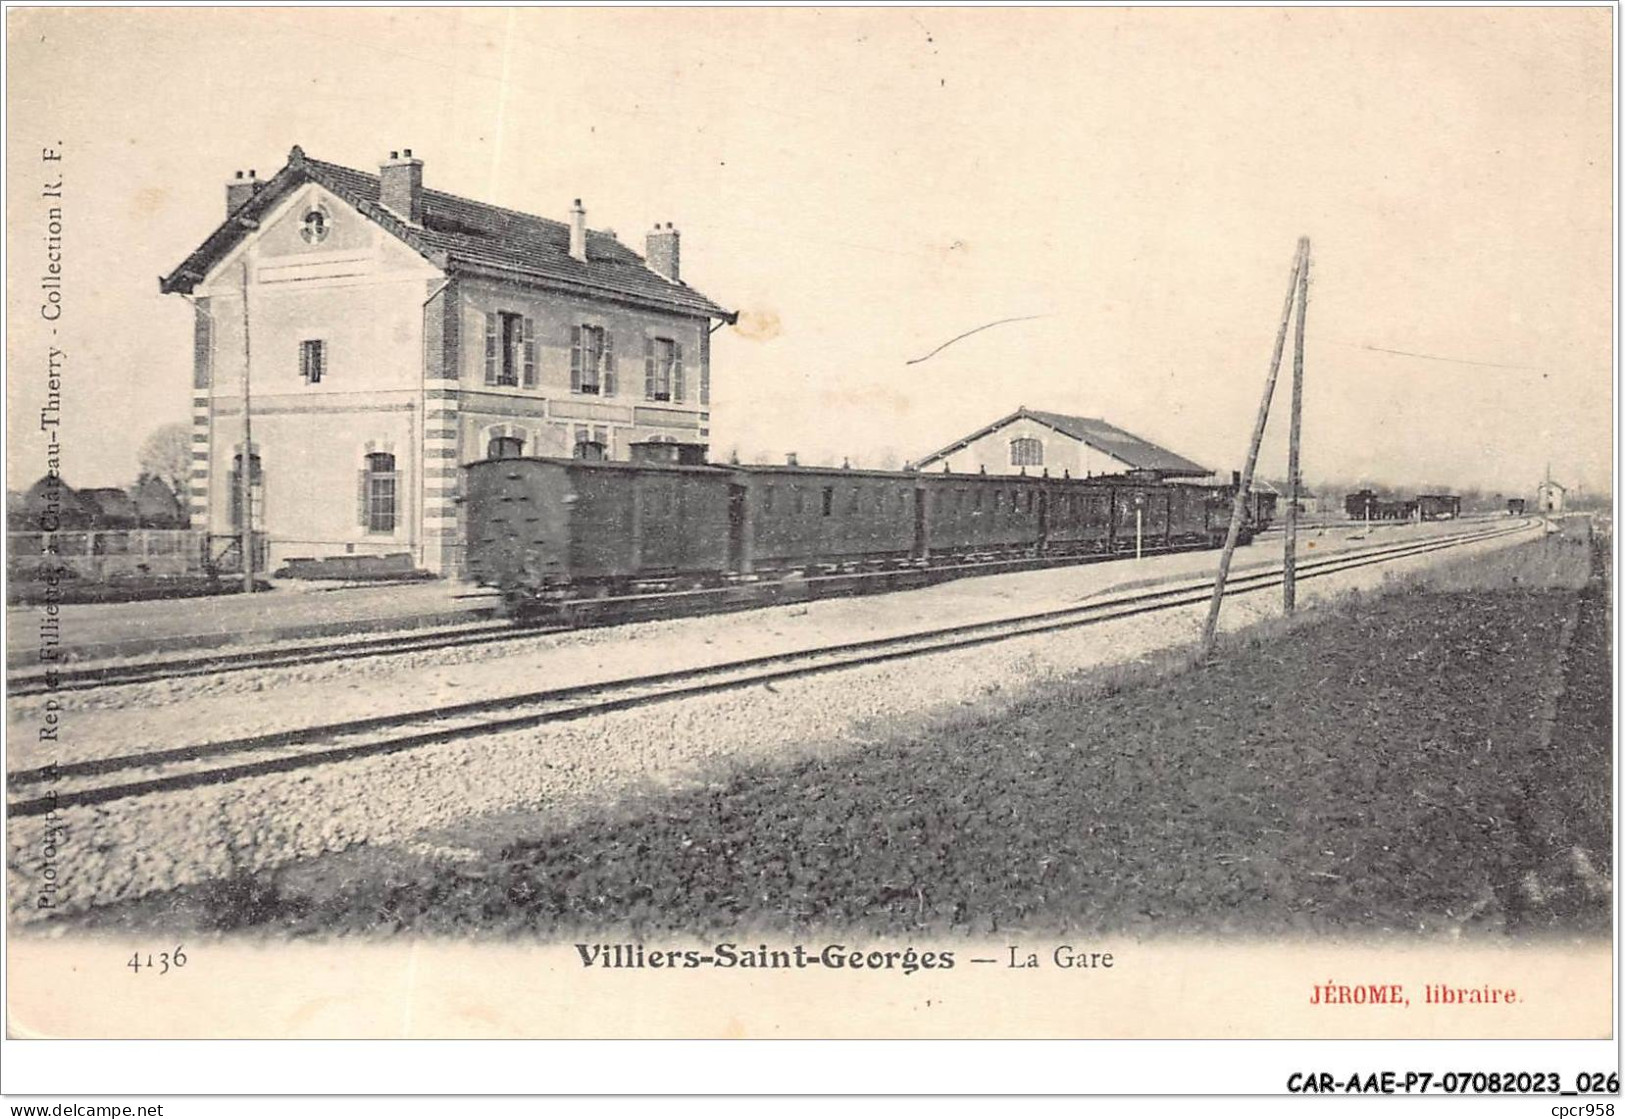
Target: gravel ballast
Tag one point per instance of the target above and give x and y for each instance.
(127, 849)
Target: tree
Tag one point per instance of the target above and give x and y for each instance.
(167, 454)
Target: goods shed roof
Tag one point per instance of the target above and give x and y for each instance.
(1126, 447)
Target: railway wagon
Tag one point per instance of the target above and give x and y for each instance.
(548, 530)
(970, 514)
(597, 526)
(1365, 505)
(794, 516)
(1262, 508)
(1438, 506)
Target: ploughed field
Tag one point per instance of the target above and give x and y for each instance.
(1432, 761)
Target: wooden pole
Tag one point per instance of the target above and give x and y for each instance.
(245, 473)
(1239, 505)
(1289, 566)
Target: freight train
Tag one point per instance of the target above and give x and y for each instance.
(1365, 505)
(549, 531)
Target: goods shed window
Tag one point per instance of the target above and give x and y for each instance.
(378, 493)
(829, 500)
(1026, 452)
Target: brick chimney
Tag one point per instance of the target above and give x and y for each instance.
(578, 231)
(660, 250)
(400, 186)
(239, 189)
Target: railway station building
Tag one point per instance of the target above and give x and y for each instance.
(1549, 496)
(389, 333)
(1030, 441)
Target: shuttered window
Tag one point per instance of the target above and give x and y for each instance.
(256, 499)
(378, 493)
(510, 349)
(662, 369)
(592, 360)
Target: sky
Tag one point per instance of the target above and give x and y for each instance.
(863, 185)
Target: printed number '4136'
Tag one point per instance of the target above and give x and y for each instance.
(163, 961)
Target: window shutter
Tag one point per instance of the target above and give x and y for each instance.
(490, 347)
(607, 379)
(648, 367)
(705, 370)
(530, 353)
(575, 359)
(361, 497)
(677, 371)
(202, 344)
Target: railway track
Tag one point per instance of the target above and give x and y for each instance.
(638, 607)
(208, 664)
(604, 611)
(103, 780)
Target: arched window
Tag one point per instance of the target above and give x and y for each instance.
(256, 497)
(378, 493)
(505, 446)
(1026, 451)
(591, 443)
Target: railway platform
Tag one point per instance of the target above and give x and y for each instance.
(288, 611)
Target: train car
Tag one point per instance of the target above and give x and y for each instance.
(1438, 506)
(1263, 507)
(798, 516)
(1080, 518)
(982, 514)
(555, 530)
(1515, 506)
(1365, 505)
(546, 525)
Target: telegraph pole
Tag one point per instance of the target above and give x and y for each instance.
(1239, 504)
(1289, 568)
(245, 473)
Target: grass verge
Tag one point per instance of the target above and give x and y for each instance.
(1406, 763)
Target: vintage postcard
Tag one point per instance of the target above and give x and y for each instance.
(790, 523)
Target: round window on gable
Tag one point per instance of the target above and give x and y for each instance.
(315, 225)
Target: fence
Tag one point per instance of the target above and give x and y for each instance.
(105, 555)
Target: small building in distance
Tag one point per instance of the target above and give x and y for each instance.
(1549, 496)
(1029, 441)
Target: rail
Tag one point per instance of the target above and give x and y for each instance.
(102, 780)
